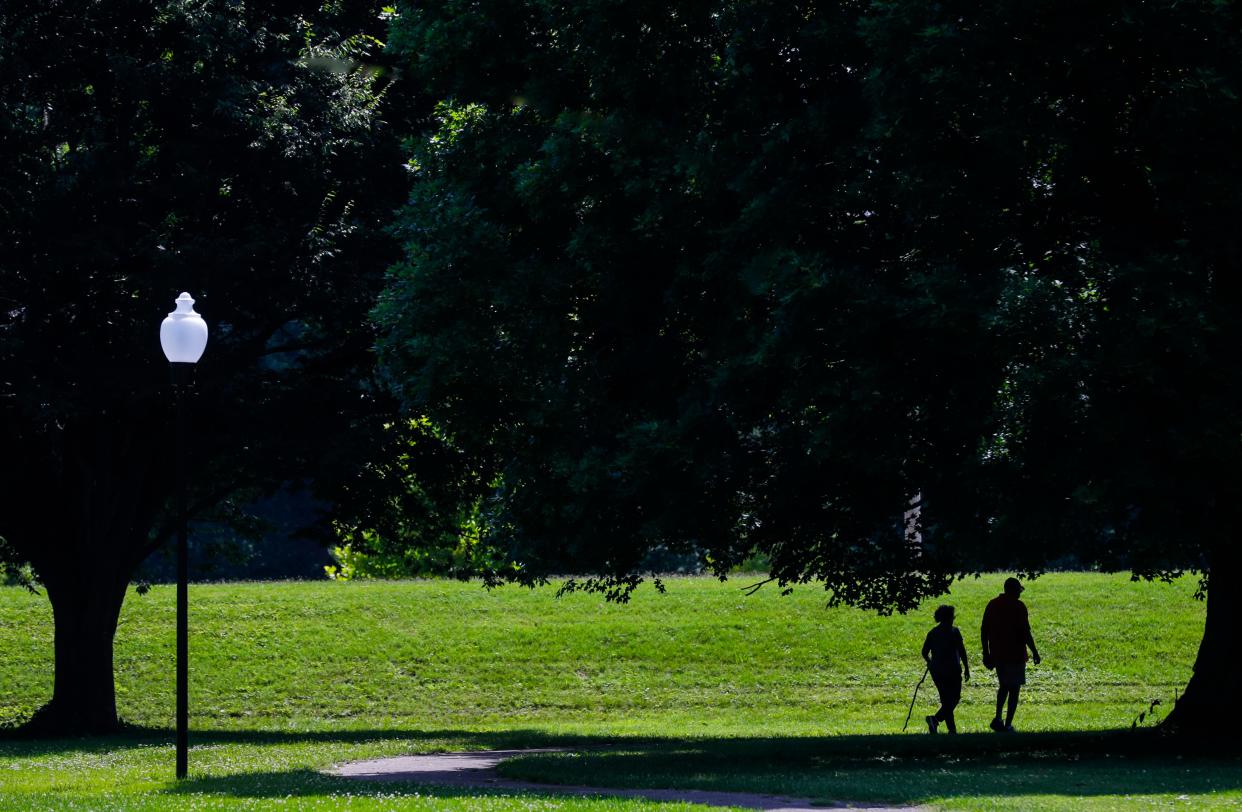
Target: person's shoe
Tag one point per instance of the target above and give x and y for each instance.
(932, 723)
(998, 725)
(1009, 729)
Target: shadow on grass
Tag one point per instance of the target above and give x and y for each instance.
(134, 736)
(309, 783)
(902, 769)
(907, 769)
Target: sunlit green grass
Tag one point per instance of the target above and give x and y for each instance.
(702, 687)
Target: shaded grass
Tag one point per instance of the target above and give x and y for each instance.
(1048, 770)
(702, 687)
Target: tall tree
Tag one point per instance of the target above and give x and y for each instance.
(892, 292)
(1095, 165)
(153, 146)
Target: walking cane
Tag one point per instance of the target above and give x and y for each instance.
(914, 698)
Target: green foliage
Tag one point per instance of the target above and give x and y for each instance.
(1086, 189)
(639, 202)
(756, 276)
(412, 510)
(13, 570)
(154, 147)
(405, 558)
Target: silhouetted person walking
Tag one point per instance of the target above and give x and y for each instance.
(1006, 633)
(945, 654)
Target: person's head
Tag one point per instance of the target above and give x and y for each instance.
(944, 614)
(1013, 587)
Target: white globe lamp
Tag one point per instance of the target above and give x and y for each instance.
(183, 334)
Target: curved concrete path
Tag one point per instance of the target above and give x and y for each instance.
(477, 769)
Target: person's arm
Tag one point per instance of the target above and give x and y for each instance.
(961, 652)
(1030, 641)
(927, 649)
(983, 638)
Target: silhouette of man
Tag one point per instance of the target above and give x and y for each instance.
(1006, 634)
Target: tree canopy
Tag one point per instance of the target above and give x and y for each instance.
(236, 151)
(692, 328)
(892, 292)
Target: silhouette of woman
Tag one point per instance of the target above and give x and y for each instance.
(945, 654)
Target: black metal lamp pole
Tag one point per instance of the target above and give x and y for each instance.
(183, 337)
(183, 381)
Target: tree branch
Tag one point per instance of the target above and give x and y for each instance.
(753, 588)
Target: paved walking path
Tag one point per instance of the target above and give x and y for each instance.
(477, 769)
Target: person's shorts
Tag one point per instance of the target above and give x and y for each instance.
(1011, 675)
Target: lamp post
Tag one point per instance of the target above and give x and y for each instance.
(183, 337)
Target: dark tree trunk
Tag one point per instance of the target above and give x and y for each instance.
(85, 543)
(1209, 704)
(84, 697)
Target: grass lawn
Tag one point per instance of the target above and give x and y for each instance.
(701, 687)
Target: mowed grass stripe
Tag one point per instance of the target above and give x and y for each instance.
(700, 687)
(384, 653)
